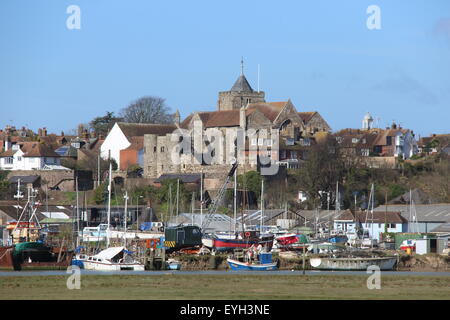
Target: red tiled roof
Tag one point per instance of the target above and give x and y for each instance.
(8, 153)
(139, 129)
(37, 149)
(306, 116)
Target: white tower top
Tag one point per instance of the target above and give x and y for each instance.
(367, 122)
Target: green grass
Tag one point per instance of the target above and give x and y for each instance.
(228, 287)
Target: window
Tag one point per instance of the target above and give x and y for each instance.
(162, 149)
(253, 142)
(260, 141)
(388, 140)
(269, 142)
(19, 158)
(9, 160)
(154, 149)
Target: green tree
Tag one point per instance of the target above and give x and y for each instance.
(250, 181)
(102, 125)
(100, 194)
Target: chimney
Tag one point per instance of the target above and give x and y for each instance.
(7, 142)
(44, 132)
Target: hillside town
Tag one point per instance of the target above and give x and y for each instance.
(148, 182)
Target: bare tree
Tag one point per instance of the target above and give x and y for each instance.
(148, 109)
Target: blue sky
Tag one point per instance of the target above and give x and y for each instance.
(319, 54)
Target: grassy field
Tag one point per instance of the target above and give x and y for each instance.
(224, 287)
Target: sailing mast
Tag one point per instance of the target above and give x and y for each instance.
(235, 201)
(201, 198)
(262, 207)
(109, 205)
(125, 220)
(178, 196)
(78, 211)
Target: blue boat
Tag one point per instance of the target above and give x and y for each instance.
(338, 239)
(264, 264)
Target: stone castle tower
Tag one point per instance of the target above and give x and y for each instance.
(240, 94)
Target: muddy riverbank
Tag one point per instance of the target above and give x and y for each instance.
(414, 263)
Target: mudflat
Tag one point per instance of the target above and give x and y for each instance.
(229, 287)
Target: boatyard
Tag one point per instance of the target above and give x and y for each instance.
(238, 151)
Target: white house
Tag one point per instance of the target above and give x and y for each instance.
(121, 134)
(374, 225)
(28, 156)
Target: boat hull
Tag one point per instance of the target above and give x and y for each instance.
(223, 245)
(349, 264)
(244, 266)
(102, 266)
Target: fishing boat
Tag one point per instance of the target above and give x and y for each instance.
(28, 251)
(264, 263)
(113, 259)
(352, 263)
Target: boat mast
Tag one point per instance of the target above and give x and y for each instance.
(201, 197)
(371, 211)
(125, 220)
(109, 204)
(235, 201)
(78, 211)
(262, 207)
(178, 196)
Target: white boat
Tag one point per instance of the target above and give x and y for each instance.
(173, 264)
(112, 259)
(385, 263)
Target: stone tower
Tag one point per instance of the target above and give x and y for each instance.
(240, 95)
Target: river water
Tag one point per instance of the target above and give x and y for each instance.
(219, 272)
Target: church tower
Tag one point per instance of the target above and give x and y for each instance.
(240, 95)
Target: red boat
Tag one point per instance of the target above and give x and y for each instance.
(245, 240)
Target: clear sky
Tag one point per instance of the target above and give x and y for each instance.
(320, 54)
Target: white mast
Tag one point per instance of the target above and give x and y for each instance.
(126, 218)
(178, 195)
(235, 200)
(78, 206)
(262, 206)
(109, 204)
(201, 198)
